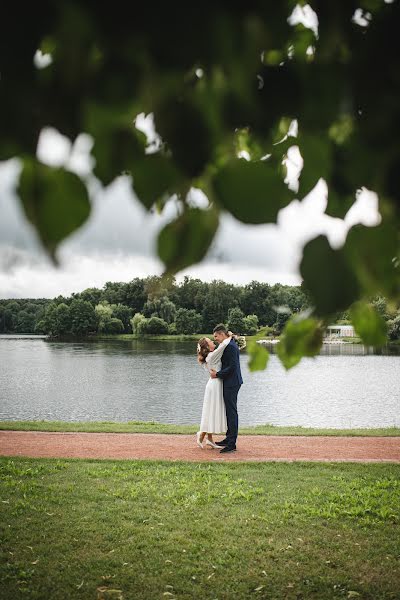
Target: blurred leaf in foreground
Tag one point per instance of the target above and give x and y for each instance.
(54, 200)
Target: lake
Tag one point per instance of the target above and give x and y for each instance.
(345, 386)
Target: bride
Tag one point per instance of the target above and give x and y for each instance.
(213, 418)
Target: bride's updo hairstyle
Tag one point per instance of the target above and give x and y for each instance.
(203, 350)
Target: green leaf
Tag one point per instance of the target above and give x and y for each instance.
(153, 177)
(300, 337)
(186, 240)
(184, 126)
(116, 152)
(259, 356)
(368, 324)
(371, 251)
(328, 277)
(54, 200)
(118, 144)
(303, 37)
(317, 156)
(253, 192)
(338, 204)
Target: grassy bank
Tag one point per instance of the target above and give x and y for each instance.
(154, 427)
(163, 337)
(197, 336)
(162, 530)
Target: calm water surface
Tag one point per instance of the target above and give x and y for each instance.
(345, 386)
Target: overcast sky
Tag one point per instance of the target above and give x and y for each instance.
(117, 243)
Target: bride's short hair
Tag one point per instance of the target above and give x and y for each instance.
(203, 350)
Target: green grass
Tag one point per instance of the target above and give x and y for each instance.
(154, 427)
(178, 530)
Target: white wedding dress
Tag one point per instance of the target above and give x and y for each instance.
(213, 417)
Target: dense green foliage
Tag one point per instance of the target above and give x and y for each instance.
(157, 306)
(193, 306)
(225, 82)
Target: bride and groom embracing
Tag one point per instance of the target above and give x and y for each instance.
(219, 413)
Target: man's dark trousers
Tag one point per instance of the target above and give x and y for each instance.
(232, 380)
(230, 399)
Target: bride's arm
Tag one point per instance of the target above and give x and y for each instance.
(217, 353)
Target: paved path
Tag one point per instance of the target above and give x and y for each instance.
(183, 447)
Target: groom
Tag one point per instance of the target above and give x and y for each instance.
(232, 380)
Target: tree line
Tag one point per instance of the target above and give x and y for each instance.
(154, 305)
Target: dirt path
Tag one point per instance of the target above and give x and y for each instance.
(183, 447)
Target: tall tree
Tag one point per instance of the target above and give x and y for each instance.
(220, 297)
(124, 314)
(134, 294)
(188, 321)
(236, 321)
(83, 318)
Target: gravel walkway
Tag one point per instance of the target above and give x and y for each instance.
(183, 447)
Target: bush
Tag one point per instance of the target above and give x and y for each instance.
(236, 320)
(250, 325)
(112, 325)
(188, 321)
(154, 325)
(84, 319)
(172, 329)
(40, 327)
(160, 307)
(103, 311)
(123, 313)
(137, 321)
(394, 328)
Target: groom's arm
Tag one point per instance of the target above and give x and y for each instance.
(221, 348)
(230, 367)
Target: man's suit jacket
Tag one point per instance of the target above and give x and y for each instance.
(230, 372)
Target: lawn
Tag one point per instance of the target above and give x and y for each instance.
(178, 530)
(154, 427)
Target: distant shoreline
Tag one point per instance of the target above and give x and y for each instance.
(168, 337)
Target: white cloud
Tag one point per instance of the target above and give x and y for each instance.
(365, 209)
(56, 150)
(26, 277)
(42, 60)
(306, 16)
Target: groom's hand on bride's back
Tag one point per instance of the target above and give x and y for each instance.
(213, 373)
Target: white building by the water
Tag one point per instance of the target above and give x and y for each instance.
(337, 331)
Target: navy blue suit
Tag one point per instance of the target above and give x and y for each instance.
(231, 376)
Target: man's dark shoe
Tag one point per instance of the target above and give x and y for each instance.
(226, 450)
(222, 443)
